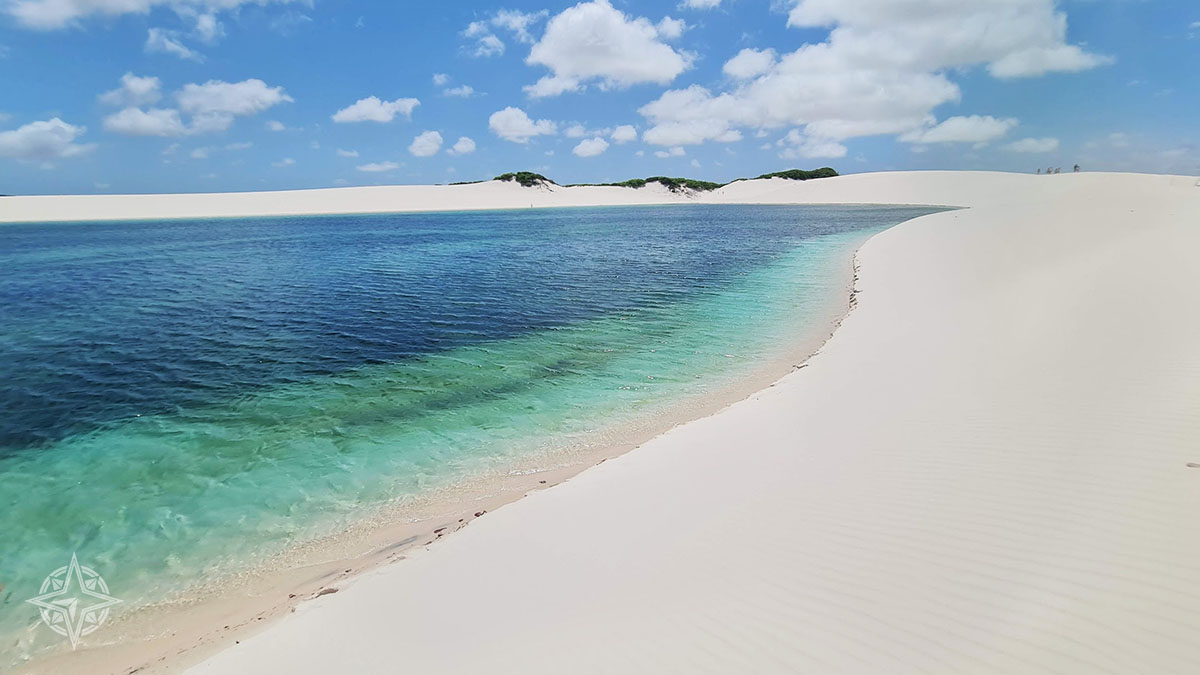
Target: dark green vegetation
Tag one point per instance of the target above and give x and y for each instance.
(799, 174)
(529, 179)
(672, 184)
(525, 178)
(677, 184)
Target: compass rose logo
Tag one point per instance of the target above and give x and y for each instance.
(74, 601)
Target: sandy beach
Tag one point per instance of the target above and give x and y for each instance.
(987, 468)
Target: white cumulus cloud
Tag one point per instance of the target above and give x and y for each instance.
(247, 97)
(883, 69)
(595, 41)
(700, 4)
(1034, 145)
(373, 109)
(208, 29)
(462, 91)
(214, 104)
(673, 152)
(671, 29)
(347, 153)
(750, 63)
(970, 129)
(624, 134)
(512, 124)
(590, 147)
(152, 122)
(464, 146)
(800, 145)
(133, 91)
(1041, 60)
(691, 116)
(426, 144)
(43, 141)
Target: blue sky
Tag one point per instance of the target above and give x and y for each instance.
(214, 95)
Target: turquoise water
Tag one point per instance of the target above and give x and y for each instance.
(181, 399)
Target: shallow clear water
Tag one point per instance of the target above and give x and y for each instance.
(178, 399)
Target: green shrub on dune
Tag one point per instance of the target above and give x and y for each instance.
(672, 184)
(525, 178)
(677, 184)
(799, 174)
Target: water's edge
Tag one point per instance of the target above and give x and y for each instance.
(214, 618)
(215, 615)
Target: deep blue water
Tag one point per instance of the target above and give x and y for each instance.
(106, 321)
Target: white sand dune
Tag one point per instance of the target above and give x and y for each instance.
(984, 471)
(380, 199)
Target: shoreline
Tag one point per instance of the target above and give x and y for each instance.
(973, 473)
(215, 619)
(984, 470)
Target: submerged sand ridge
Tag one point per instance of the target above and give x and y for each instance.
(985, 470)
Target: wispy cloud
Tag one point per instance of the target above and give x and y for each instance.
(161, 41)
(378, 167)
